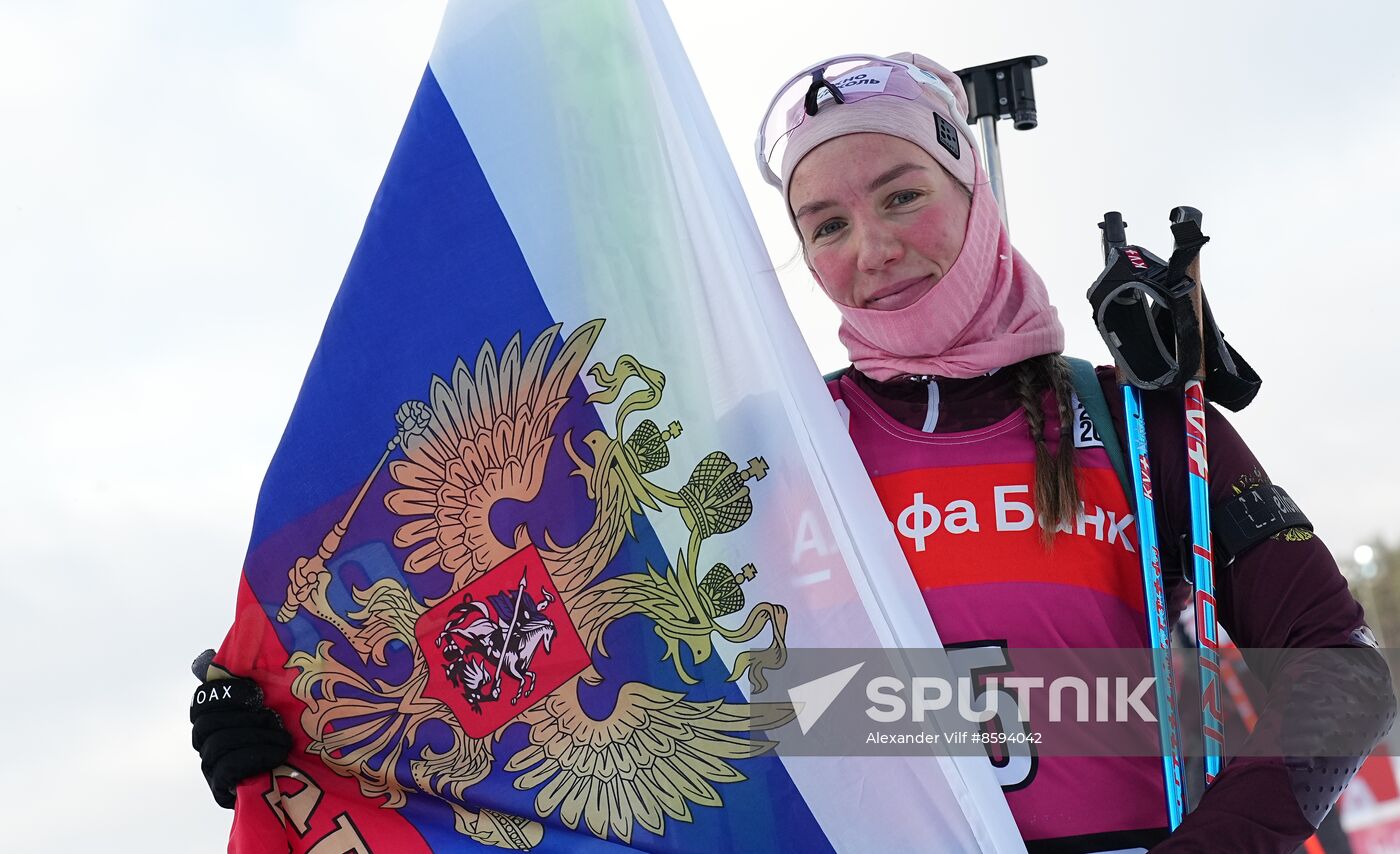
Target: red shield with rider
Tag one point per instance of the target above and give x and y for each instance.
(500, 644)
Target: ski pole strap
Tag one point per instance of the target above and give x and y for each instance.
(1146, 320)
(1086, 387)
(1142, 307)
(1253, 516)
(1230, 381)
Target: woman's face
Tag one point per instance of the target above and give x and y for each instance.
(881, 222)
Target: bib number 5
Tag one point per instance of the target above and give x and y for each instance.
(1006, 737)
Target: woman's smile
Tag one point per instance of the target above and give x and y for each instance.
(900, 294)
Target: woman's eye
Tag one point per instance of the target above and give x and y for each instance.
(827, 229)
(904, 197)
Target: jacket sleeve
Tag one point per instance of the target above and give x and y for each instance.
(1283, 593)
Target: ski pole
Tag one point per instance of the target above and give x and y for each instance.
(1186, 222)
(1154, 596)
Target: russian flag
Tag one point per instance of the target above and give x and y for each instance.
(561, 486)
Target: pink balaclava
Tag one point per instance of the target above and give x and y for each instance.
(991, 309)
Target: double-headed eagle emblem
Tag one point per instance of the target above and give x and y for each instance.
(511, 627)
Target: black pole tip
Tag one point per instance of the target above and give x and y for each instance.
(1184, 213)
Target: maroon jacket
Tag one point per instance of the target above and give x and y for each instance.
(1284, 592)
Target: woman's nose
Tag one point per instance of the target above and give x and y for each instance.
(878, 247)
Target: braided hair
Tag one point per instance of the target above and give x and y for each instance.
(1056, 491)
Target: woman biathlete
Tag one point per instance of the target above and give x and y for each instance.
(957, 386)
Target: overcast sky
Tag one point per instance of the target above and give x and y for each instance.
(182, 184)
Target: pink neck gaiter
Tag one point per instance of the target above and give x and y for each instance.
(990, 310)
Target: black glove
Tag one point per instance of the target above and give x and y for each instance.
(236, 735)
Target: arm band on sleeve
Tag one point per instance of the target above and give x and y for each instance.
(1254, 516)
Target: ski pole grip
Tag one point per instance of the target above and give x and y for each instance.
(1185, 213)
(1189, 214)
(1115, 234)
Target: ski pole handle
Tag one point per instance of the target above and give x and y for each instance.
(1115, 234)
(1185, 213)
